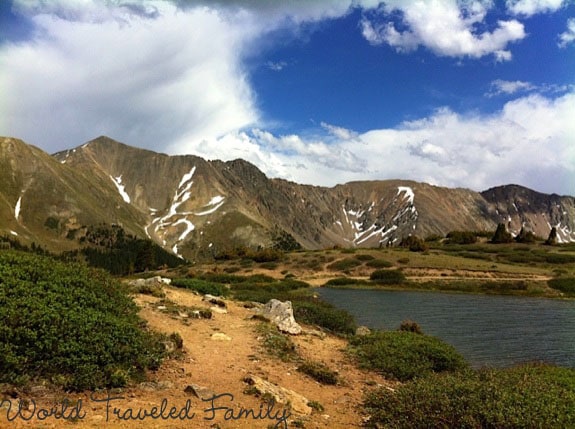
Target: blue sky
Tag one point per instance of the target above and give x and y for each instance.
(455, 93)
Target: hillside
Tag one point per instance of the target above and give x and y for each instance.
(195, 207)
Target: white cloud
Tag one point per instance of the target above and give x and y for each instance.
(340, 132)
(532, 7)
(446, 27)
(568, 36)
(500, 86)
(528, 142)
(136, 79)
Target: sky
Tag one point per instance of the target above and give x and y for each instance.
(456, 93)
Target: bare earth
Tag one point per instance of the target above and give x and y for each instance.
(220, 366)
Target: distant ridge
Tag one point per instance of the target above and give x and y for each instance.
(195, 207)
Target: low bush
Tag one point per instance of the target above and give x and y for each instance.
(531, 396)
(388, 277)
(414, 243)
(563, 284)
(379, 263)
(410, 326)
(319, 372)
(461, 237)
(364, 257)
(344, 264)
(69, 324)
(201, 286)
(345, 281)
(405, 355)
(320, 313)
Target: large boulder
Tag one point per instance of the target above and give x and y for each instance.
(281, 314)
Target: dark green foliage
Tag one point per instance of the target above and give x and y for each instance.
(525, 236)
(461, 237)
(345, 281)
(319, 372)
(563, 284)
(410, 326)
(364, 257)
(284, 241)
(276, 343)
(69, 323)
(552, 238)
(501, 235)
(110, 248)
(52, 223)
(315, 312)
(413, 243)
(233, 278)
(532, 396)
(405, 355)
(388, 277)
(266, 255)
(379, 263)
(201, 286)
(344, 264)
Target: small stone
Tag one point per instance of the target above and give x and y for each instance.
(219, 336)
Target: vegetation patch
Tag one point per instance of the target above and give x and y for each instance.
(344, 264)
(201, 286)
(69, 324)
(345, 281)
(275, 343)
(563, 284)
(532, 396)
(388, 277)
(319, 372)
(379, 263)
(404, 355)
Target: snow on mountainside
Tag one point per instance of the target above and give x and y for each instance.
(192, 206)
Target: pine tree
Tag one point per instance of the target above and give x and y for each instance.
(501, 235)
(552, 239)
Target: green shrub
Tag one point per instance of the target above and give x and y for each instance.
(410, 326)
(405, 355)
(70, 324)
(563, 284)
(530, 396)
(379, 263)
(388, 277)
(319, 372)
(501, 235)
(323, 314)
(461, 237)
(275, 343)
(364, 257)
(413, 243)
(344, 281)
(201, 286)
(344, 264)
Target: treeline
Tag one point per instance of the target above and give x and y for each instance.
(110, 248)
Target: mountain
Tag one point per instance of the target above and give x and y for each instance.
(196, 207)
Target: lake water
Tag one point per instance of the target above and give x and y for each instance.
(495, 331)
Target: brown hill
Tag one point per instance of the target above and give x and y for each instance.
(196, 207)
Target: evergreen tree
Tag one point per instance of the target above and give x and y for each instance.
(552, 239)
(525, 236)
(501, 235)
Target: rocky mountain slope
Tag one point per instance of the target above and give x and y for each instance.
(193, 206)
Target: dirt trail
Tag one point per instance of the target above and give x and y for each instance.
(220, 366)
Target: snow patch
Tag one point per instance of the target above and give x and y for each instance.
(121, 188)
(409, 194)
(215, 200)
(187, 177)
(13, 233)
(189, 228)
(210, 211)
(17, 208)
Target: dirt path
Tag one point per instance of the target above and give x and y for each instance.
(219, 365)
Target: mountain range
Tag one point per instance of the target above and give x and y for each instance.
(195, 207)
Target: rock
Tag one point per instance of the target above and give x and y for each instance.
(281, 395)
(219, 336)
(199, 391)
(214, 300)
(281, 314)
(219, 310)
(362, 331)
(166, 280)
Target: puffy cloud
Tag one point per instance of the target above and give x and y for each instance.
(569, 35)
(528, 142)
(139, 79)
(446, 27)
(500, 86)
(532, 7)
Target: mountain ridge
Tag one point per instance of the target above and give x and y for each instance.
(197, 207)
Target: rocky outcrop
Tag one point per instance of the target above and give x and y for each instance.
(297, 402)
(281, 314)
